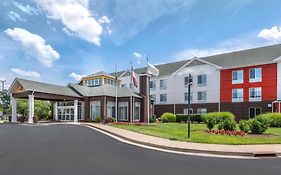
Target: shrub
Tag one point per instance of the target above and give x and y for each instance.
(108, 119)
(98, 119)
(244, 125)
(193, 118)
(274, 119)
(168, 117)
(219, 116)
(259, 125)
(227, 125)
(210, 122)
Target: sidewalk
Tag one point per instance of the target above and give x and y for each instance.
(218, 149)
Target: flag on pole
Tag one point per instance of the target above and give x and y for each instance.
(152, 70)
(133, 77)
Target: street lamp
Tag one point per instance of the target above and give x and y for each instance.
(189, 106)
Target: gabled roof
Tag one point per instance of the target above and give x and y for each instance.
(104, 91)
(255, 56)
(36, 86)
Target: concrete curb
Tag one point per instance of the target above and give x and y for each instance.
(213, 152)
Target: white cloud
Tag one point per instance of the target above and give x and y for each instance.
(105, 20)
(24, 73)
(15, 17)
(131, 17)
(138, 56)
(76, 76)
(75, 16)
(27, 8)
(273, 34)
(229, 45)
(34, 45)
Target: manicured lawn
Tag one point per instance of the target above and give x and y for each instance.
(178, 131)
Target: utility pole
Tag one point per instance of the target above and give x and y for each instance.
(3, 85)
(189, 105)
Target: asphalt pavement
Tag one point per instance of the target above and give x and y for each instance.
(78, 150)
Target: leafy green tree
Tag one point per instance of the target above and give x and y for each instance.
(42, 109)
(4, 101)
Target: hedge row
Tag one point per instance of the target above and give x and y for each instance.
(193, 118)
(274, 119)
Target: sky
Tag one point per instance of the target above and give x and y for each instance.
(60, 41)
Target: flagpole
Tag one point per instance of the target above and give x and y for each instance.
(148, 93)
(116, 92)
(131, 85)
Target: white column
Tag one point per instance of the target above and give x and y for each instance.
(30, 108)
(75, 110)
(13, 103)
(56, 111)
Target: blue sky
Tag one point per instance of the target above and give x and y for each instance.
(58, 41)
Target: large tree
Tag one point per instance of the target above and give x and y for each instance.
(4, 101)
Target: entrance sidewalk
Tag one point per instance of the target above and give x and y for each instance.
(218, 149)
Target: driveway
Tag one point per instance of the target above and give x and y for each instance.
(78, 150)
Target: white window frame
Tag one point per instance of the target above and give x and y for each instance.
(137, 105)
(200, 100)
(186, 80)
(153, 83)
(186, 95)
(163, 102)
(109, 108)
(253, 80)
(255, 98)
(204, 83)
(186, 109)
(95, 103)
(123, 104)
(202, 110)
(239, 99)
(237, 81)
(165, 83)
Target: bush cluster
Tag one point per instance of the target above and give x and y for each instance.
(225, 120)
(98, 119)
(257, 125)
(193, 118)
(244, 125)
(274, 119)
(168, 117)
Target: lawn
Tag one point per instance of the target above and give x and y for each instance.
(178, 131)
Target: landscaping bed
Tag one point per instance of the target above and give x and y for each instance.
(178, 131)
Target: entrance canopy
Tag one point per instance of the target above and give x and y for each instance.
(42, 91)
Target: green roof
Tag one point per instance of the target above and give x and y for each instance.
(104, 91)
(46, 88)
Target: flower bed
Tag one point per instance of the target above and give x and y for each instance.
(223, 132)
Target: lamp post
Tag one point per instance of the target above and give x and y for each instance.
(189, 106)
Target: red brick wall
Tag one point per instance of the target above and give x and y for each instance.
(268, 84)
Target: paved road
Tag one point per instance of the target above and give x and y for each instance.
(77, 150)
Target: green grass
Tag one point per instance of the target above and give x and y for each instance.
(178, 131)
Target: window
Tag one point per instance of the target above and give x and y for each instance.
(80, 110)
(253, 112)
(137, 111)
(110, 108)
(163, 84)
(152, 85)
(237, 76)
(123, 111)
(255, 94)
(186, 96)
(163, 98)
(202, 96)
(201, 110)
(95, 109)
(186, 80)
(255, 75)
(153, 97)
(186, 111)
(237, 95)
(202, 80)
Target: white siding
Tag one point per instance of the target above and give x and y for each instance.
(176, 87)
(279, 80)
